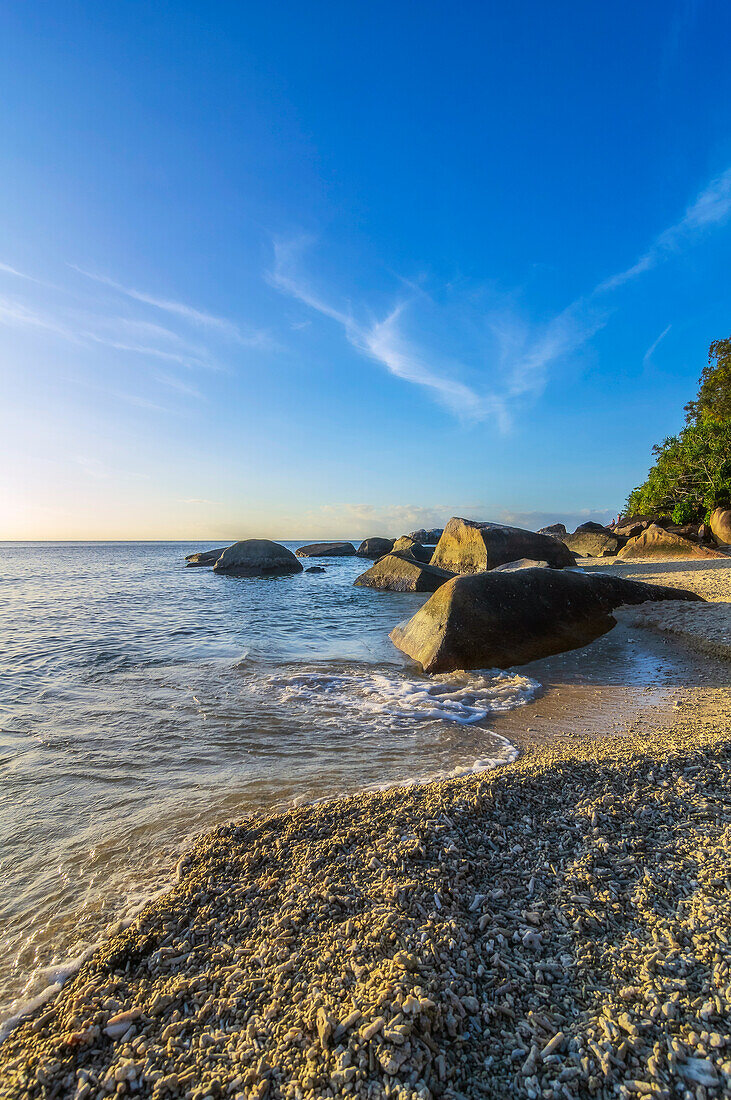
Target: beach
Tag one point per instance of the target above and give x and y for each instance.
(558, 926)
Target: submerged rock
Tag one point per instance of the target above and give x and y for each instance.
(327, 550)
(316, 569)
(257, 558)
(470, 547)
(402, 573)
(374, 548)
(656, 542)
(500, 619)
(205, 557)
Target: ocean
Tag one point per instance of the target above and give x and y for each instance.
(143, 702)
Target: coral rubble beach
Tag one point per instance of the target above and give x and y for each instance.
(559, 927)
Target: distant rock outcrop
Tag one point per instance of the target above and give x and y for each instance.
(327, 550)
(470, 547)
(590, 525)
(589, 543)
(430, 537)
(558, 530)
(204, 557)
(374, 548)
(656, 542)
(257, 558)
(720, 524)
(408, 546)
(500, 619)
(402, 573)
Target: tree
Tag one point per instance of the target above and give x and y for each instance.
(692, 470)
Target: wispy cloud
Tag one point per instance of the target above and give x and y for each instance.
(710, 209)
(382, 340)
(648, 354)
(251, 338)
(492, 380)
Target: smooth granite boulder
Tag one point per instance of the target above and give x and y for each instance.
(588, 543)
(374, 548)
(402, 573)
(327, 550)
(416, 550)
(591, 525)
(558, 530)
(430, 537)
(720, 524)
(521, 563)
(204, 557)
(500, 619)
(257, 558)
(470, 547)
(656, 542)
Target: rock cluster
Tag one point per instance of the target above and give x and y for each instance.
(656, 541)
(557, 929)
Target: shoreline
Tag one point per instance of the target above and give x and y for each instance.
(305, 946)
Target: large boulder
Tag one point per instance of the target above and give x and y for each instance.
(204, 557)
(721, 525)
(402, 573)
(656, 542)
(257, 558)
(590, 525)
(500, 619)
(558, 530)
(470, 547)
(430, 537)
(411, 548)
(374, 548)
(327, 550)
(588, 543)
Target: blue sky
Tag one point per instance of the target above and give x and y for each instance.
(294, 269)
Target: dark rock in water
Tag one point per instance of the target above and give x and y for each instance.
(205, 557)
(591, 525)
(431, 537)
(721, 525)
(403, 573)
(407, 545)
(327, 550)
(470, 547)
(588, 543)
(374, 548)
(656, 542)
(316, 569)
(558, 530)
(500, 619)
(257, 558)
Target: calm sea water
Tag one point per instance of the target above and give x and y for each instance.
(142, 702)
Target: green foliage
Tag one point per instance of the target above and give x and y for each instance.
(692, 471)
(684, 512)
(714, 393)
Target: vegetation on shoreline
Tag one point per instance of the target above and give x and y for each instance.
(692, 471)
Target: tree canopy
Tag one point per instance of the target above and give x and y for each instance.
(692, 470)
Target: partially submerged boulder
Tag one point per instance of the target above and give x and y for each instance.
(327, 550)
(656, 542)
(720, 524)
(411, 548)
(588, 543)
(470, 547)
(500, 619)
(316, 569)
(257, 558)
(374, 548)
(204, 557)
(402, 573)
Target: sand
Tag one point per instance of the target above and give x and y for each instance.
(560, 927)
